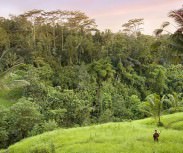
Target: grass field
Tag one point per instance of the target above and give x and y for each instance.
(126, 137)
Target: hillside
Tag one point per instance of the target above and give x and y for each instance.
(57, 69)
(125, 137)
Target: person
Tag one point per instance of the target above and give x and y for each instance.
(156, 136)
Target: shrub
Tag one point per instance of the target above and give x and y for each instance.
(50, 125)
(22, 117)
(106, 116)
(43, 127)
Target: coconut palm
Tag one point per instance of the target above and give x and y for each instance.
(176, 42)
(177, 15)
(156, 105)
(12, 62)
(177, 37)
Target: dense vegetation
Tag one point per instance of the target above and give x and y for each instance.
(124, 137)
(58, 70)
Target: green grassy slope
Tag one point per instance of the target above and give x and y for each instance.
(172, 121)
(126, 137)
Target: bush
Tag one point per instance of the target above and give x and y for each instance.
(50, 125)
(3, 138)
(106, 116)
(22, 117)
(15, 93)
(3, 127)
(43, 127)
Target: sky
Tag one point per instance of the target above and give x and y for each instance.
(108, 14)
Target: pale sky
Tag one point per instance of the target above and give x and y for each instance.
(108, 14)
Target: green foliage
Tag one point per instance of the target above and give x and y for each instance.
(119, 108)
(15, 93)
(5, 102)
(134, 107)
(22, 116)
(157, 78)
(75, 108)
(50, 125)
(3, 129)
(67, 77)
(4, 38)
(43, 127)
(176, 102)
(102, 70)
(57, 115)
(156, 106)
(175, 78)
(106, 116)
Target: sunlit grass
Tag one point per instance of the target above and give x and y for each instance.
(126, 137)
(172, 121)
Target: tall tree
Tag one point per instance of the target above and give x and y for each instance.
(133, 26)
(33, 16)
(101, 70)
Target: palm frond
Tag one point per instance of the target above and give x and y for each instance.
(165, 24)
(177, 15)
(157, 32)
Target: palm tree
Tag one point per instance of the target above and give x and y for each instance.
(13, 63)
(177, 15)
(156, 105)
(177, 37)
